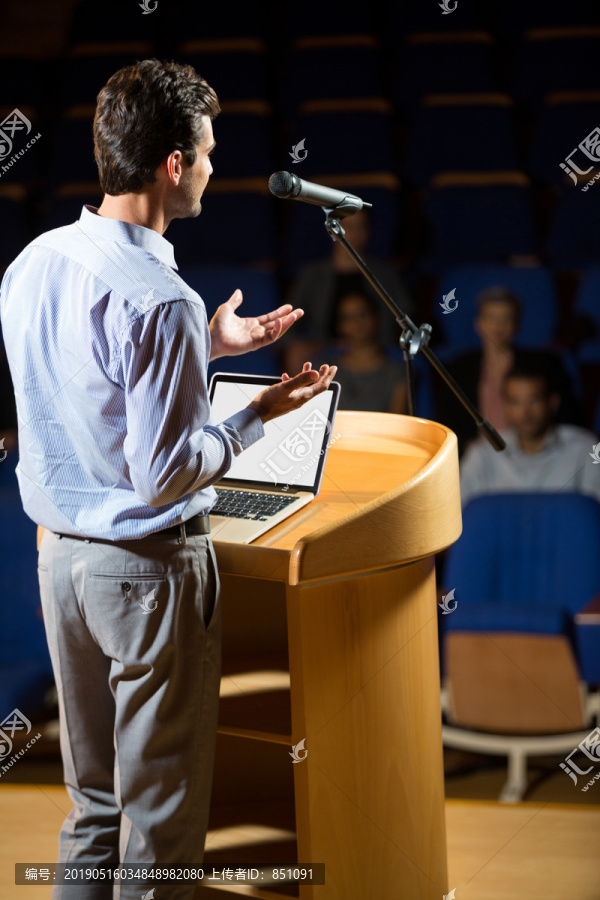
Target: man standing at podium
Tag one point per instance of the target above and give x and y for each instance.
(108, 350)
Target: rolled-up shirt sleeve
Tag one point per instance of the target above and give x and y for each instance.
(172, 448)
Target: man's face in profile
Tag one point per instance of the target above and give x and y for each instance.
(195, 178)
(528, 406)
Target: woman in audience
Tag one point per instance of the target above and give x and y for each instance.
(322, 283)
(371, 379)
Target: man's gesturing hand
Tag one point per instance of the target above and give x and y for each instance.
(231, 335)
(292, 393)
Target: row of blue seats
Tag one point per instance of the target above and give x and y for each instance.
(477, 135)
(358, 70)
(461, 223)
(25, 668)
(452, 334)
(173, 23)
(510, 588)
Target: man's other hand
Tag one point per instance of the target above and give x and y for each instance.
(292, 393)
(232, 335)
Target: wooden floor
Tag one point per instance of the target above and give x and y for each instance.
(524, 852)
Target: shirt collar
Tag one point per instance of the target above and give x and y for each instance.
(127, 233)
(551, 439)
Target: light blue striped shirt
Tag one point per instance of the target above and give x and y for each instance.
(108, 350)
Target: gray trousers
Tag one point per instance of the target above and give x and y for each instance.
(134, 631)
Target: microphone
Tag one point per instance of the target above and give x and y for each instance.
(288, 186)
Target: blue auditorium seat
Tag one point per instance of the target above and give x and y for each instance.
(587, 311)
(473, 132)
(15, 233)
(525, 563)
(25, 669)
(216, 284)
(511, 18)
(443, 64)
(573, 241)
(587, 300)
(478, 219)
(235, 227)
(20, 162)
(345, 141)
(66, 204)
(561, 59)
(518, 666)
(20, 81)
(114, 21)
(331, 71)
(589, 353)
(306, 237)
(245, 143)
(72, 158)
(84, 76)
(233, 73)
(565, 120)
(323, 19)
(214, 22)
(412, 16)
(533, 285)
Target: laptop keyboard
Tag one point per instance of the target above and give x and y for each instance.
(249, 504)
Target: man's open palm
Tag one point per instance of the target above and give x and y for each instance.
(292, 393)
(231, 334)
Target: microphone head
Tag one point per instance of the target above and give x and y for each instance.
(284, 184)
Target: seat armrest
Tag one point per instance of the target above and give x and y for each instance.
(590, 613)
(587, 639)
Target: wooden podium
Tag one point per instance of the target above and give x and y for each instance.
(330, 637)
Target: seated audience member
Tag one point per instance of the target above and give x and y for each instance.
(320, 285)
(540, 455)
(480, 373)
(371, 380)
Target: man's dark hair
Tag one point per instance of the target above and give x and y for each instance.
(145, 112)
(499, 294)
(532, 369)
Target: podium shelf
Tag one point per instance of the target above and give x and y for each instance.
(259, 833)
(256, 703)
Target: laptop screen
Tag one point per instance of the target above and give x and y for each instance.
(291, 455)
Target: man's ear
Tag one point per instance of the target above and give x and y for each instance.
(554, 402)
(174, 166)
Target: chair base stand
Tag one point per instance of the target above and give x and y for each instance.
(516, 747)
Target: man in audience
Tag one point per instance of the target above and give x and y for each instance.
(481, 372)
(540, 455)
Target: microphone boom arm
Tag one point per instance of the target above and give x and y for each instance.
(412, 339)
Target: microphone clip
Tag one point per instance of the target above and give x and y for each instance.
(347, 207)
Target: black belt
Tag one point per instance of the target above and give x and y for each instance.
(195, 525)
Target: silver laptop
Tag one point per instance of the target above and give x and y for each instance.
(280, 473)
